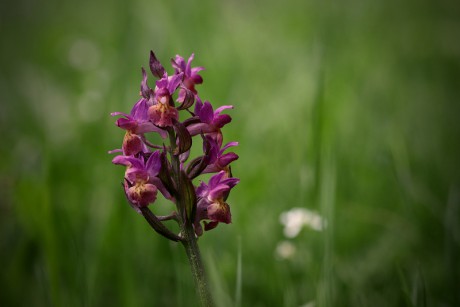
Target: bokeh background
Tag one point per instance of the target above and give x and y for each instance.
(346, 108)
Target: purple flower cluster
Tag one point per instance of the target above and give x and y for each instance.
(168, 168)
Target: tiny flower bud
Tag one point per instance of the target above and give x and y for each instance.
(155, 66)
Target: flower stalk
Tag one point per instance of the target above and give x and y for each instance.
(189, 239)
(166, 168)
(196, 264)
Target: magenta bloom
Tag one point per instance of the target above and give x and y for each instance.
(136, 124)
(163, 113)
(191, 76)
(210, 121)
(218, 160)
(141, 179)
(211, 201)
(166, 165)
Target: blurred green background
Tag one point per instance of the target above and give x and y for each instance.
(346, 108)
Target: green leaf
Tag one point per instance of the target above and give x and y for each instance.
(185, 140)
(188, 197)
(157, 225)
(188, 100)
(165, 175)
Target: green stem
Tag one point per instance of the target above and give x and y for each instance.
(193, 253)
(189, 239)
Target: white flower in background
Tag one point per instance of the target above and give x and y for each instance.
(294, 220)
(285, 250)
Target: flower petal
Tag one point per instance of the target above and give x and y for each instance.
(196, 129)
(118, 113)
(220, 109)
(202, 190)
(215, 180)
(178, 64)
(174, 82)
(228, 145)
(161, 187)
(139, 110)
(153, 164)
(149, 127)
(218, 191)
(227, 158)
(135, 174)
(210, 225)
(142, 195)
(231, 182)
(219, 212)
(127, 161)
(145, 89)
(197, 79)
(197, 69)
(221, 120)
(126, 123)
(132, 144)
(206, 113)
(188, 67)
(198, 105)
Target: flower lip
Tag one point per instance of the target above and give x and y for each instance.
(163, 115)
(219, 211)
(140, 194)
(132, 144)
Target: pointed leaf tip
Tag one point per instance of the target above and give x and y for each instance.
(155, 66)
